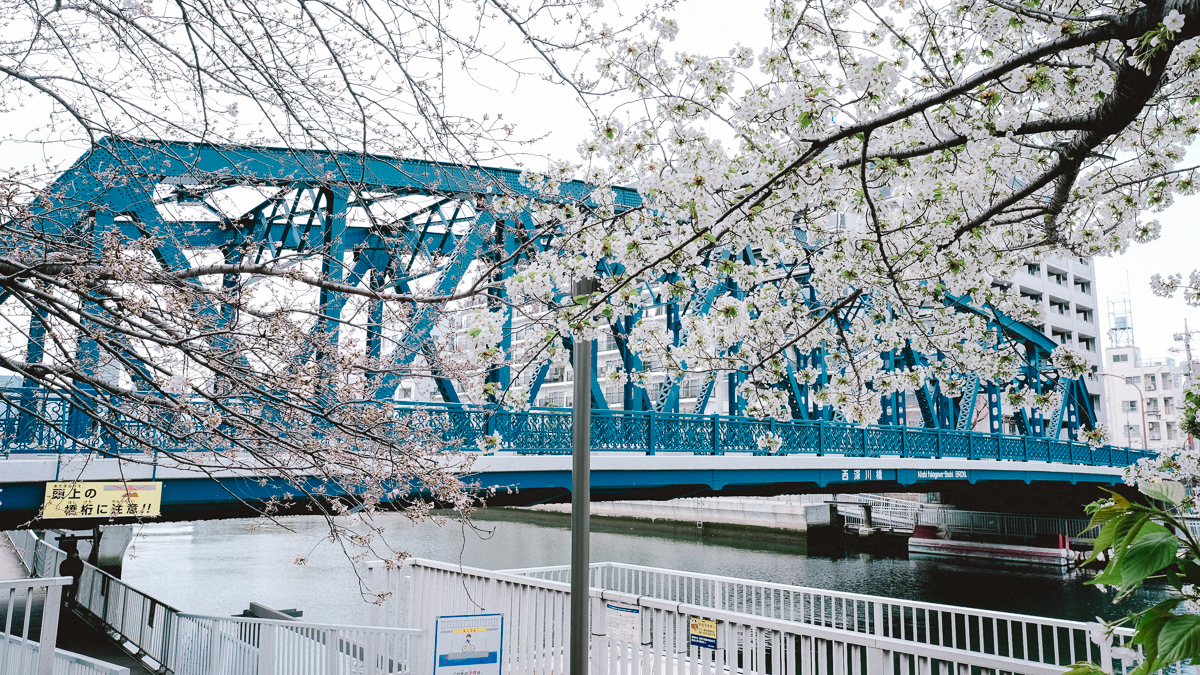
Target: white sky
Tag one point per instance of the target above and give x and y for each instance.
(713, 27)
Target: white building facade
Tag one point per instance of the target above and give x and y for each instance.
(1145, 400)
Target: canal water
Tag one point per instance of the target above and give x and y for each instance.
(219, 567)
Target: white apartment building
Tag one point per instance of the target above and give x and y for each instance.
(1065, 290)
(1145, 400)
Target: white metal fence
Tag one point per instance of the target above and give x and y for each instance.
(189, 644)
(761, 627)
(21, 655)
(209, 645)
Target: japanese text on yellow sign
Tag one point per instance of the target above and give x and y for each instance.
(702, 632)
(102, 500)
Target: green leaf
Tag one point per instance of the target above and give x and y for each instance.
(1167, 491)
(1179, 639)
(1084, 668)
(1149, 554)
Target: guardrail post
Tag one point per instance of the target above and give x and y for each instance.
(970, 445)
(904, 441)
(1025, 447)
(716, 431)
(938, 449)
(820, 437)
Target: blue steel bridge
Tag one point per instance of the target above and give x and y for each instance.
(648, 447)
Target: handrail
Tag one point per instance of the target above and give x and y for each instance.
(19, 653)
(188, 644)
(641, 431)
(755, 619)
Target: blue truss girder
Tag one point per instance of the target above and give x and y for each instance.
(315, 190)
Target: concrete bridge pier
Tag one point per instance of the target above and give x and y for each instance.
(823, 522)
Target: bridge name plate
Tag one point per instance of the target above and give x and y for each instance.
(102, 500)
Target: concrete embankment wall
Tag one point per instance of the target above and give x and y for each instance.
(725, 511)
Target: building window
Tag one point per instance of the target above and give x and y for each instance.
(1034, 269)
(1152, 405)
(1118, 358)
(1083, 313)
(691, 387)
(1134, 379)
(1129, 406)
(1169, 405)
(1151, 382)
(1171, 432)
(1083, 286)
(1153, 431)
(1059, 278)
(1060, 306)
(1088, 343)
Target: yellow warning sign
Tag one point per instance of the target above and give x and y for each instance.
(702, 632)
(102, 500)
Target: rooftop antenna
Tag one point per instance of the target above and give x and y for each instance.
(1120, 314)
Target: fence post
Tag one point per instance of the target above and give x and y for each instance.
(333, 650)
(49, 636)
(214, 648)
(650, 431)
(904, 441)
(938, 452)
(716, 431)
(820, 437)
(875, 661)
(1025, 447)
(267, 636)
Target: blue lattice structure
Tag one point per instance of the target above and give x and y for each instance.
(123, 185)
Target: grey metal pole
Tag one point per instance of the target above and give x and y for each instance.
(581, 488)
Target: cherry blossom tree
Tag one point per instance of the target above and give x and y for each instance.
(843, 187)
(878, 159)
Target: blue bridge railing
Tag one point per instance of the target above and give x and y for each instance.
(548, 431)
(542, 431)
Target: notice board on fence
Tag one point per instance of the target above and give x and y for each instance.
(468, 644)
(102, 499)
(702, 633)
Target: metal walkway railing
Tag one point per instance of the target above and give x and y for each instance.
(191, 644)
(542, 431)
(19, 653)
(760, 627)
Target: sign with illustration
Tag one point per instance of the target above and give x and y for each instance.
(468, 644)
(623, 622)
(102, 500)
(702, 633)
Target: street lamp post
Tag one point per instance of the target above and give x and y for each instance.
(1141, 397)
(581, 488)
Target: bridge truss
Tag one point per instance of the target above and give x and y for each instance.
(397, 226)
